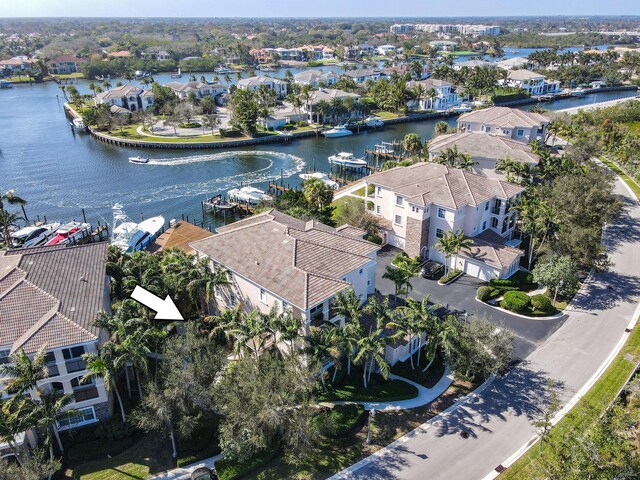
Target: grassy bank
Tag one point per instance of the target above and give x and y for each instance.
(633, 185)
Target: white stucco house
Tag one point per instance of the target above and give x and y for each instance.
(507, 122)
(419, 204)
(254, 83)
(199, 89)
(127, 96)
(445, 95)
(530, 82)
(316, 77)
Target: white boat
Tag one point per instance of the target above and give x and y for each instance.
(347, 160)
(337, 131)
(130, 236)
(5, 84)
(578, 92)
(218, 204)
(138, 160)
(78, 125)
(322, 176)
(33, 236)
(250, 195)
(178, 74)
(462, 108)
(71, 232)
(373, 122)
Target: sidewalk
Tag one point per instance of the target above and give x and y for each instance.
(425, 395)
(184, 473)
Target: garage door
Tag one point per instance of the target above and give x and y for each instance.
(472, 269)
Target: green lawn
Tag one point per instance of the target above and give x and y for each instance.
(385, 115)
(339, 202)
(378, 390)
(359, 192)
(633, 185)
(428, 378)
(21, 79)
(69, 75)
(129, 132)
(595, 402)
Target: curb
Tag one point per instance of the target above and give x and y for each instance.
(508, 312)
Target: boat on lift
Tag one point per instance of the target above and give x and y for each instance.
(385, 148)
(33, 236)
(71, 232)
(178, 74)
(373, 122)
(250, 195)
(131, 237)
(577, 92)
(337, 131)
(347, 159)
(138, 159)
(462, 108)
(218, 203)
(78, 125)
(321, 176)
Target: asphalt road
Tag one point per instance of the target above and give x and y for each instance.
(499, 420)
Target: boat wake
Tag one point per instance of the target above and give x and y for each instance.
(213, 157)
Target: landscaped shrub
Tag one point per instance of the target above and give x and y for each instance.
(371, 189)
(449, 276)
(339, 420)
(542, 303)
(230, 470)
(374, 239)
(483, 293)
(189, 125)
(515, 301)
(112, 429)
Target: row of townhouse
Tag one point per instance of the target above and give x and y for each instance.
(297, 54)
(463, 29)
(49, 297)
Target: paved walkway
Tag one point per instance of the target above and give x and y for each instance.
(425, 395)
(348, 191)
(184, 473)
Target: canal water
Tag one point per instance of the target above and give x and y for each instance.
(60, 172)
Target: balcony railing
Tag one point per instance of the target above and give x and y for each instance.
(85, 393)
(53, 370)
(75, 365)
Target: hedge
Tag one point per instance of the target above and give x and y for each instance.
(228, 470)
(508, 97)
(338, 421)
(484, 293)
(543, 303)
(515, 301)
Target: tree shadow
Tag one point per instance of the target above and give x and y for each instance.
(625, 228)
(606, 290)
(387, 465)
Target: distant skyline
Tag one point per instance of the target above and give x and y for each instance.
(326, 8)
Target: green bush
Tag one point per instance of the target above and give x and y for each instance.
(228, 470)
(543, 303)
(515, 301)
(113, 429)
(374, 239)
(370, 205)
(339, 420)
(449, 276)
(484, 293)
(189, 125)
(371, 189)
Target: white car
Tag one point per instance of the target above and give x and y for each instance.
(32, 236)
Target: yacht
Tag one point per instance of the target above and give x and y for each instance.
(347, 160)
(373, 122)
(138, 160)
(337, 131)
(33, 236)
(218, 204)
(130, 236)
(322, 176)
(462, 108)
(178, 74)
(5, 84)
(577, 92)
(223, 70)
(78, 125)
(250, 195)
(70, 232)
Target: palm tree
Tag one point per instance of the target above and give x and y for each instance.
(404, 327)
(321, 109)
(9, 198)
(459, 243)
(350, 334)
(447, 245)
(371, 350)
(348, 305)
(49, 410)
(287, 326)
(322, 348)
(23, 374)
(103, 365)
(209, 279)
(422, 317)
(398, 277)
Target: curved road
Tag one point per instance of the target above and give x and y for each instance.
(499, 417)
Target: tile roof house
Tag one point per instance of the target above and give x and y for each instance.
(315, 78)
(49, 297)
(420, 203)
(254, 83)
(277, 260)
(326, 95)
(484, 149)
(199, 89)
(445, 95)
(65, 64)
(127, 96)
(507, 122)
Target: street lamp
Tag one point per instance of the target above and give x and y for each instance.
(556, 293)
(372, 413)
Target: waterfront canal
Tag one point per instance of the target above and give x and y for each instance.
(60, 172)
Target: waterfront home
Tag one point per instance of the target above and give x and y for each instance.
(155, 54)
(199, 89)
(326, 95)
(386, 50)
(65, 64)
(315, 78)
(473, 64)
(419, 204)
(444, 45)
(254, 83)
(127, 96)
(279, 261)
(507, 122)
(445, 95)
(289, 54)
(361, 75)
(280, 116)
(515, 63)
(20, 64)
(319, 52)
(486, 150)
(119, 54)
(49, 297)
(261, 55)
(530, 82)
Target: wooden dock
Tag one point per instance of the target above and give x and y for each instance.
(179, 236)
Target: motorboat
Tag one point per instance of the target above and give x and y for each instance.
(462, 108)
(337, 131)
(578, 92)
(138, 160)
(321, 176)
(130, 236)
(547, 97)
(33, 236)
(5, 84)
(70, 232)
(217, 203)
(141, 74)
(178, 74)
(250, 195)
(78, 125)
(373, 122)
(223, 70)
(347, 160)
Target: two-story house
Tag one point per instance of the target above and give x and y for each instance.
(419, 204)
(326, 95)
(277, 260)
(254, 83)
(49, 297)
(315, 78)
(127, 96)
(361, 75)
(199, 89)
(444, 95)
(507, 122)
(65, 64)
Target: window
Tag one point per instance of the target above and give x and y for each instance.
(73, 360)
(82, 416)
(487, 129)
(232, 299)
(378, 209)
(398, 200)
(475, 228)
(52, 368)
(520, 132)
(73, 352)
(286, 307)
(486, 206)
(484, 225)
(263, 296)
(494, 222)
(398, 220)
(439, 233)
(4, 356)
(379, 191)
(368, 282)
(441, 213)
(361, 271)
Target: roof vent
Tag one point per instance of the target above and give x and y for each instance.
(82, 279)
(257, 262)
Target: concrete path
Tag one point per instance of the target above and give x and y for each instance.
(498, 419)
(348, 191)
(425, 395)
(184, 473)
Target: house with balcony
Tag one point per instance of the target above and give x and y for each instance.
(419, 204)
(155, 54)
(530, 82)
(199, 89)
(127, 96)
(254, 83)
(445, 95)
(279, 261)
(326, 95)
(65, 64)
(505, 122)
(315, 78)
(361, 75)
(49, 297)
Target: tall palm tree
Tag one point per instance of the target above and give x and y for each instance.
(422, 317)
(404, 326)
(348, 305)
(49, 410)
(459, 243)
(371, 350)
(322, 348)
(398, 277)
(350, 334)
(287, 326)
(447, 246)
(103, 365)
(22, 374)
(9, 198)
(209, 279)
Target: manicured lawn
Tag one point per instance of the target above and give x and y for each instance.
(22, 79)
(129, 132)
(69, 75)
(359, 192)
(385, 115)
(338, 203)
(428, 378)
(339, 420)
(378, 390)
(587, 411)
(627, 179)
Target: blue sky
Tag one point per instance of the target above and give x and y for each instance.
(306, 8)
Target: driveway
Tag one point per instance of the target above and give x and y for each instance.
(460, 296)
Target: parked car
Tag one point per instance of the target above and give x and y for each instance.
(431, 269)
(204, 473)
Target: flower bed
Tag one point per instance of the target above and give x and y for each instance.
(450, 277)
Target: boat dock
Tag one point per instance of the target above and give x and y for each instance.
(180, 235)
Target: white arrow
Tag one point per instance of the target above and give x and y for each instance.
(166, 309)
